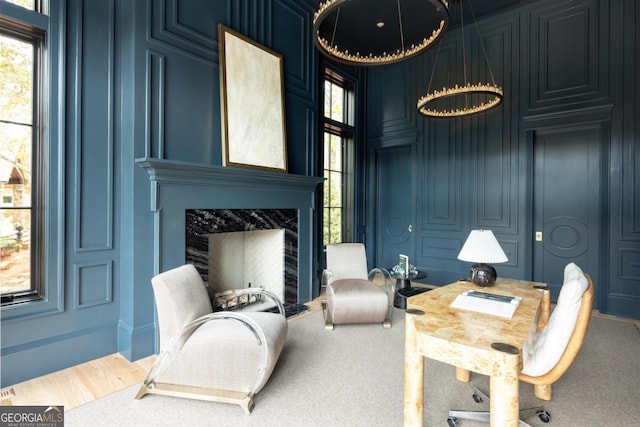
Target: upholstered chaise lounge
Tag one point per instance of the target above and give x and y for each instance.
(224, 356)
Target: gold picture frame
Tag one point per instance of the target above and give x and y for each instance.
(252, 103)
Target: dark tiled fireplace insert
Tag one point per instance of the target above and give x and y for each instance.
(201, 223)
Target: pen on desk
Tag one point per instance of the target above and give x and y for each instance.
(501, 298)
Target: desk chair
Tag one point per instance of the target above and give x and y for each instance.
(222, 356)
(352, 295)
(549, 351)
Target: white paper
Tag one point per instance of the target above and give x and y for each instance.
(487, 306)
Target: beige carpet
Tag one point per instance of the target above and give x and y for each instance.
(353, 376)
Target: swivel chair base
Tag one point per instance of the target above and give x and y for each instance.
(484, 416)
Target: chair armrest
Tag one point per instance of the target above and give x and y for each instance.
(380, 270)
(545, 309)
(259, 293)
(423, 285)
(326, 278)
(389, 284)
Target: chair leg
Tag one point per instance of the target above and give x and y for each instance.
(328, 324)
(387, 320)
(244, 400)
(142, 392)
(542, 391)
(463, 375)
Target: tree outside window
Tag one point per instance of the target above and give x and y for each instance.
(337, 155)
(20, 50)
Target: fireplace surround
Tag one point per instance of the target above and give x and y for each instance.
(177, 187)
(201, 223)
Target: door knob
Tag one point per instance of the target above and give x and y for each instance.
(410, 228)
(538, 236)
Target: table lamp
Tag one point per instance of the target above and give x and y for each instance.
(482, 248)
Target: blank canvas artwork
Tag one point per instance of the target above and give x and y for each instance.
(252, 104)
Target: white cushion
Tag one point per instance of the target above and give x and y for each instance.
(356, 301)
(542, 351)
(347, 261)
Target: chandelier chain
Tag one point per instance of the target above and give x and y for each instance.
(464, 56)
(484, 49)
(335, 27)
(401, 29)
(433, 70)
(465, 99)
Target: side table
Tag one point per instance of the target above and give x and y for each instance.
(404, 289)
(400, 298)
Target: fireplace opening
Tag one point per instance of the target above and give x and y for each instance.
(221, 230)
(245, 259)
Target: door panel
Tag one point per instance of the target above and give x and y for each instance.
(394, 204)
(567, 203)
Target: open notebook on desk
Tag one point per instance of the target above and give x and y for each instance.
(488, 303)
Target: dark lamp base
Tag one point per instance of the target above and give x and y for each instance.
(482, 275)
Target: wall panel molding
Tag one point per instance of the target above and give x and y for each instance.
(568, 54)
(195, 30)
(296, 46)
(629, 267)
(630, 193)
(92, 134)
(630, 184)
(252, 18)
(392, 107)
(93, 284)
(441, 200)
(155, 81)
(493, 170)
(511, 249)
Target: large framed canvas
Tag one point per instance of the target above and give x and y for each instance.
(252, 103)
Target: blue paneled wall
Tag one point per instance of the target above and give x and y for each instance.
(570, 73)
(136, 139)
(139, 93)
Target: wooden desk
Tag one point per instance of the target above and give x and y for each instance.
(463, 339)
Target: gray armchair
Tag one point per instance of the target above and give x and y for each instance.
(224, 356)
(353, 295)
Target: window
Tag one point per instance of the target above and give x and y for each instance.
(22, 50)
(338, 141)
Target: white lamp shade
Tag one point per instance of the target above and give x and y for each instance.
(482, 247)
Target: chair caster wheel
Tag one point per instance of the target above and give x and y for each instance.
(544, 416)
(477, 398)
(451, 421)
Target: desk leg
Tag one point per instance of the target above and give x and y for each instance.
(413, 377)
(463, 375)
(504, 403)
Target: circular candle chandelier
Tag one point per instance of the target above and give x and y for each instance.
(377, 32)
(461, 99)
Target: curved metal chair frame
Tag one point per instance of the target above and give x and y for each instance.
(388, 286)
(164, 359)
